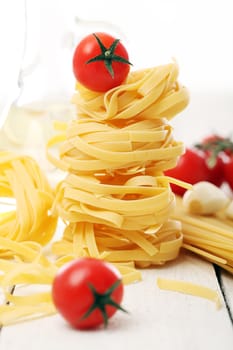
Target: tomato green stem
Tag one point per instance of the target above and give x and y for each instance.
(108, 55)
(101, 300)
(214, 148)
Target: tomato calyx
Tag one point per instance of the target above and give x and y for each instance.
(108, 55)
(214, 146)
(101, 300)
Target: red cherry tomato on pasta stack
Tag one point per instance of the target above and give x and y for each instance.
(87, 292)
(100, 62)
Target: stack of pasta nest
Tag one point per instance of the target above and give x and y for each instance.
(115, 199)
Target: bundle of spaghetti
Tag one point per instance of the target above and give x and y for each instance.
(30, 219)
(116, 152)
(211, 237)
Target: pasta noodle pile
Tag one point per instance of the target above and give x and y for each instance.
(115, 199)
(208, 236)
(29, 268)
(24, 230)
(22, 180)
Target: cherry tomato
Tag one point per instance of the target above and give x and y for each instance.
(87, 292)
(100, 62)
(211, 139)
(191, 168)
(215, 170)
(216, 143)
(228, 171)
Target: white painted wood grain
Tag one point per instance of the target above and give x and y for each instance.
(227, 284)
(158, 319)
(2, 299)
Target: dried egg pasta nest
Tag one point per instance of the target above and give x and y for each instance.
(22, 180)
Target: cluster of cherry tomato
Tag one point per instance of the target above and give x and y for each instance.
(211, 160)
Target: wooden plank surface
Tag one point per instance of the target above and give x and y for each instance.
(227, 286)
(157, 318)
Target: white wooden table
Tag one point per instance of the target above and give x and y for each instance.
(157, 319)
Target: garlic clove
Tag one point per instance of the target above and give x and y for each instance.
(205, 198)
(229, 210)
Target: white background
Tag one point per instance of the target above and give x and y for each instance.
(198, 34)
